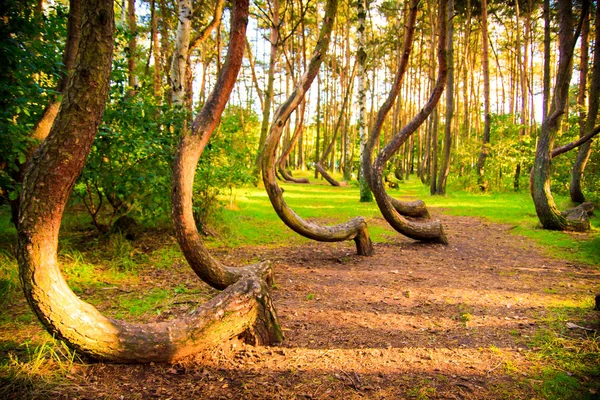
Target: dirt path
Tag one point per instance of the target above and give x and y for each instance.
(414, 321)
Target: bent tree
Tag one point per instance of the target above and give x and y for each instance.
(191, 145)
(545, 207)
(244, 308)
(281, 163)
(356, 228)
(416, 208)
(424, 231)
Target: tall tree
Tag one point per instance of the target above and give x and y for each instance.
(425, 231)
(545, 207)
(355, 229)
(50, 176)
(587, 121)
(485, 70)
(445, 162)
(365, 191)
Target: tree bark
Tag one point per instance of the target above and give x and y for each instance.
(131, 56)
(365, 190)
(286, 153)
(355, 229)
(190, 148)
(180, 54)
(50, 177)
(585, 150)
(445, 162)
(416, 208)
(486, 98)
(429, 231)
(545, 207)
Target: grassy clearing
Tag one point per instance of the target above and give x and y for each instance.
(253, 221)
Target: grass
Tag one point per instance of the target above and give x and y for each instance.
(568, 360)
(565, 361)
(254, 222)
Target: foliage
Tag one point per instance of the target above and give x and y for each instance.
(510, 147)
(226, 162)
(31, 45)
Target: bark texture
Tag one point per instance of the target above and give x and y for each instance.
(585, 150)
(190, 148)
(244, 308)
(417, 208)
(355, 229)
(547, 212)
(425, 231)
(281, 163)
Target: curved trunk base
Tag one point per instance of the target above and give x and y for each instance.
(416, 209)
(244, 309)
(430, 231)
(287, 177)
(326, 175)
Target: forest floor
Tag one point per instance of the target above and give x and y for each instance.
(465, 321)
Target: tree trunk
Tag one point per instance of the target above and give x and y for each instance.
(268, 94)
(131, 56)
(486, 98)
(49, 180)
(285, 154)
(180, 54)
(355, 229)
(445, 162)
(415, 208)
(585, 150)
(429, 231)
(365, 190)
(190, 148)
(545, 207)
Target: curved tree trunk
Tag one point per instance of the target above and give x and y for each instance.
(429, 231)
(355, 229)
(50, 177)
(545, 207)
(190, 148)
(44, 124)
(585, 150)
(287, 177)
(417, 208)
(330, 179)
(319, 164)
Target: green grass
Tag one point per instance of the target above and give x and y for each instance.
(565, 361)
(254, 222)
(569, 360)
